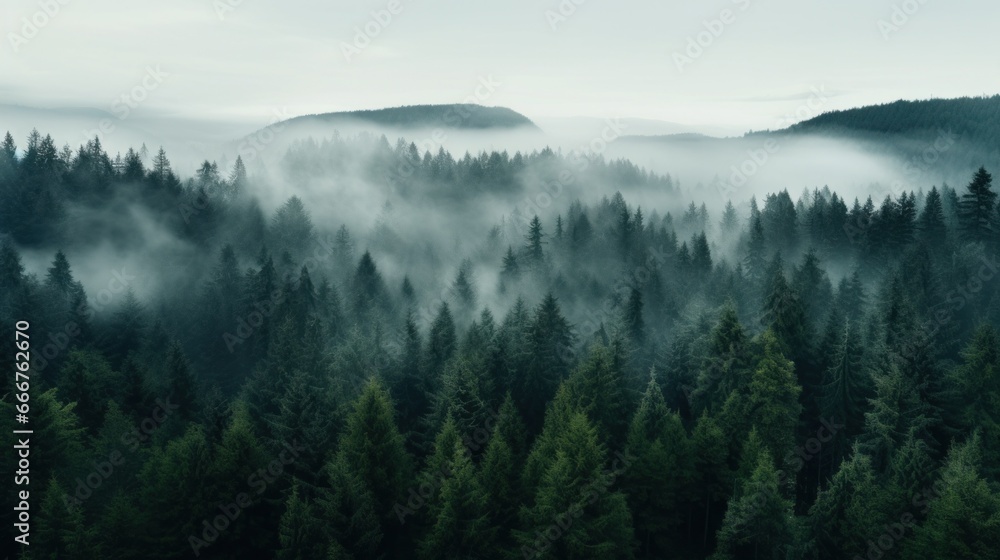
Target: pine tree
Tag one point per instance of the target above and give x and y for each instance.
(409, 295)
(635, 326)
(291, 228)
(548, 341)
(701, 254)
(758, 523)
(894, 412)
(499, 474)
(464, 287)
(977, 210)
(658, 480)
(730, 220)
(87, 380)
(172, 487)
(182, 384)
(840, 522)
(978, 382)
(304, 417)
(237, 179)
(784, 315)
(511, 270)
(533, 246)
(346, 509)
(300, 531)
(710, 452)
(412, 390)
(964, 520)
(574, 487)
(371, 448)
(461, 524)
(366, 287)
(442, 342)
(128, 325)
(756, 259)
(597, 388)
(238, 455)
(63, 532)
(774, 398)
(843, 397)
(725, 367)
(932, 227)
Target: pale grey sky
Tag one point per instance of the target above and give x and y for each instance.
(247, 59)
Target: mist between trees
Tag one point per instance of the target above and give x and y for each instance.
(783, 377)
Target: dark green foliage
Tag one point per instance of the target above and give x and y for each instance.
(977, 210)
(576, 486)
(659, 480)
(539, 434)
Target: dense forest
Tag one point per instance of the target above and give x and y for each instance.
(581, 377)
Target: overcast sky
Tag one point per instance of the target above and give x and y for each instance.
(247, 59)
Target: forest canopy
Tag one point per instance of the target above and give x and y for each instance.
(580, 376)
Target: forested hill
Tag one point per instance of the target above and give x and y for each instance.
(976, 119)
(806, 379)
(463, 115)
(950, 135)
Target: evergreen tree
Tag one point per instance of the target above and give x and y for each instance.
(182, 384)
(371, 448)
(977, 210)
(841, 520)
(964, 520)
(62, 532)
(978, 381)
(300, 532)
(658, 480)
(441, 343)
(843, 396)
(461, 526)
(730, 220)
(774, 398)
(575, 486)
(933, 230)
(758, 523)
(635, 326)
(548, 341)
(725, 368)
(533, 246)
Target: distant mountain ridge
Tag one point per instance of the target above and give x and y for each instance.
(976, 119)
(943, 137)
(460, 116)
